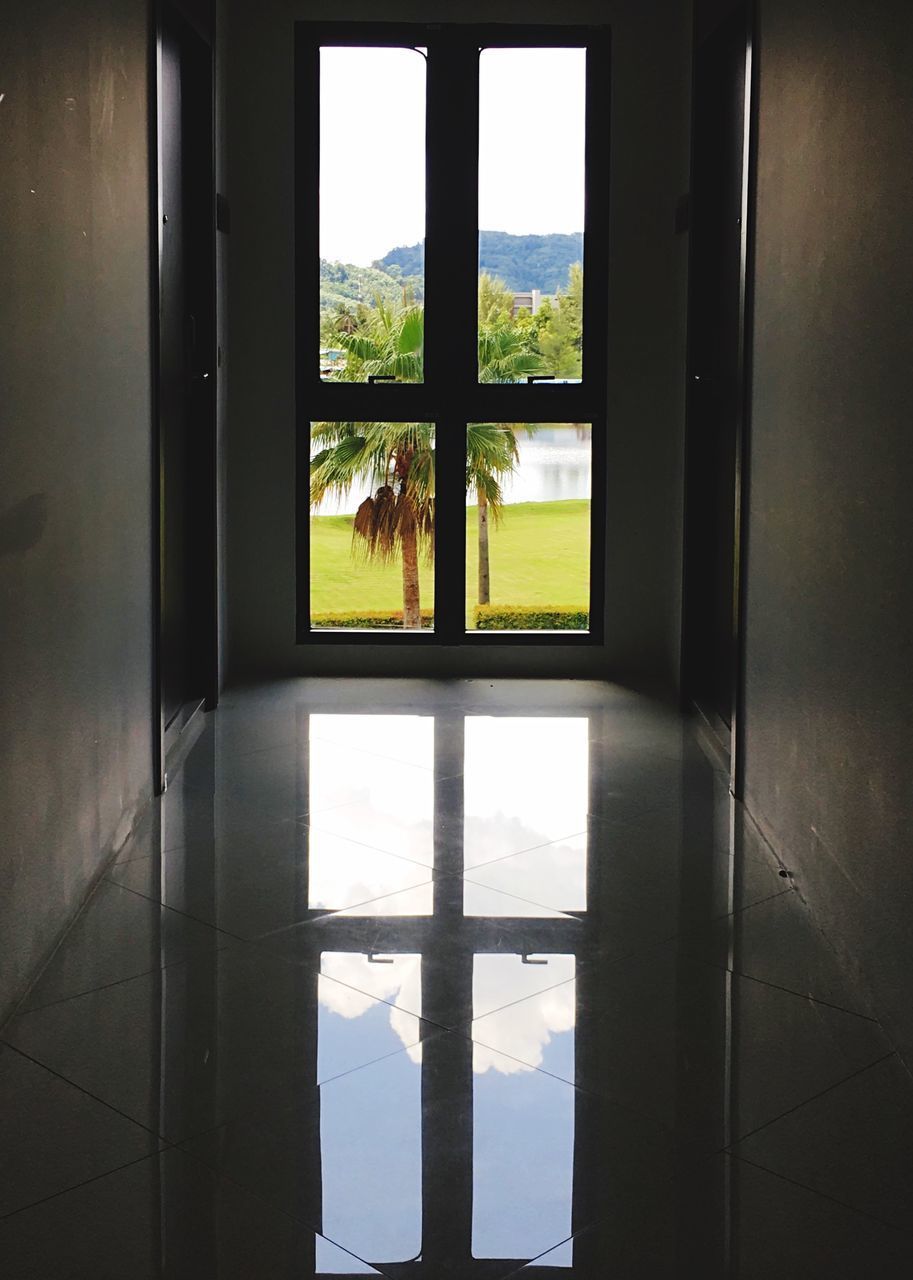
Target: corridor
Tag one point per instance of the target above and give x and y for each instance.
(460, 979)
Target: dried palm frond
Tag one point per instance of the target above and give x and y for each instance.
(374, 530)
(363, 524)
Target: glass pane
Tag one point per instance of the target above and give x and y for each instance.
(532, 113)
(372, 526)
(528, 526)
(523, 1118)
(372, 214)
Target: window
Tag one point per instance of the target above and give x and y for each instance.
(452, 284)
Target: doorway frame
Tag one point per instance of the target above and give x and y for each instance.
(202, 512)
(730, 741)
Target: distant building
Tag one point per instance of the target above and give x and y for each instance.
(530, 299)
(332, 360)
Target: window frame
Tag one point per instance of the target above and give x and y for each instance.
(451, 395)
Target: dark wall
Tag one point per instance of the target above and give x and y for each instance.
(75, 451)
(829, 697)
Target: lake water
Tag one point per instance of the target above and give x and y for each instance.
(555, 464)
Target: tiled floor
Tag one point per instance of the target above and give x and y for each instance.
(466, 980)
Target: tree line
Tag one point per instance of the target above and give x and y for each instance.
(551, 337)
(394, 461)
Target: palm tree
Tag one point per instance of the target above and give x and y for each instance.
(491, 448)
(389, 345)
(491, 452)
(396, 459)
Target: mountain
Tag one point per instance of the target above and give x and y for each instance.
(342, 283)
(522, 262)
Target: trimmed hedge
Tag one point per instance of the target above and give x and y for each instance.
(367, 619)
(487, 617)
(521, 617)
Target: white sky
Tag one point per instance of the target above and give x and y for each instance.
(372, 140)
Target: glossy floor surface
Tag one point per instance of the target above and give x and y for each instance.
(449, 980)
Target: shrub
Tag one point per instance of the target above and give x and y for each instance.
(367, 619)
(521, 617)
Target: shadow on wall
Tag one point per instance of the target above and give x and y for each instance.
(22, 526)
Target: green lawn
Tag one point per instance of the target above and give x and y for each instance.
(539, 556)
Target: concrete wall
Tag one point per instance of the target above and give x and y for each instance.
(649, 167)
(829, 695)
(75, 458)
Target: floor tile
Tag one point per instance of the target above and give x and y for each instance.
(770, 1228)
(438, 973)
(214, 1037)
(489, 902)
(406, 739)
(776, 941)
(196, 815)
(165, 1216)
(402, 924)
(53, 1136)
(654, 1027)
(533, 1028)
(343, 774)
(405, 830)
(485, 1145)
(552, 875)
(852, 1143)
(415, 901)
(668, 863)
(525, 783)
(118, 935)
(499, 980)
(314, 773)
(252, 884)
(347, 1156)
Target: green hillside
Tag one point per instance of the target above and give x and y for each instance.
(522, 262)
(343, 284)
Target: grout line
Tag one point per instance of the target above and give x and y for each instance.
(533, 848)
(731, 1148)
(55, 1195)
(99, 878)
(185, 915)
(332, 913)
(394, 1053)
(119, 982)
(300, 1223)
(823, 1195)
(789, 991)
(51, 1070)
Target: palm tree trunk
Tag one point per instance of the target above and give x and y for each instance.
(412, 608)
(484, 562)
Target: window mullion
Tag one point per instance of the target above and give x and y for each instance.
(451, 246)
(451, 268)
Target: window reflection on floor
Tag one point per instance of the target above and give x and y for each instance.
(371, 782)
(370, 1122)
(523, 1120)
(526, 781)
(441, 1082)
